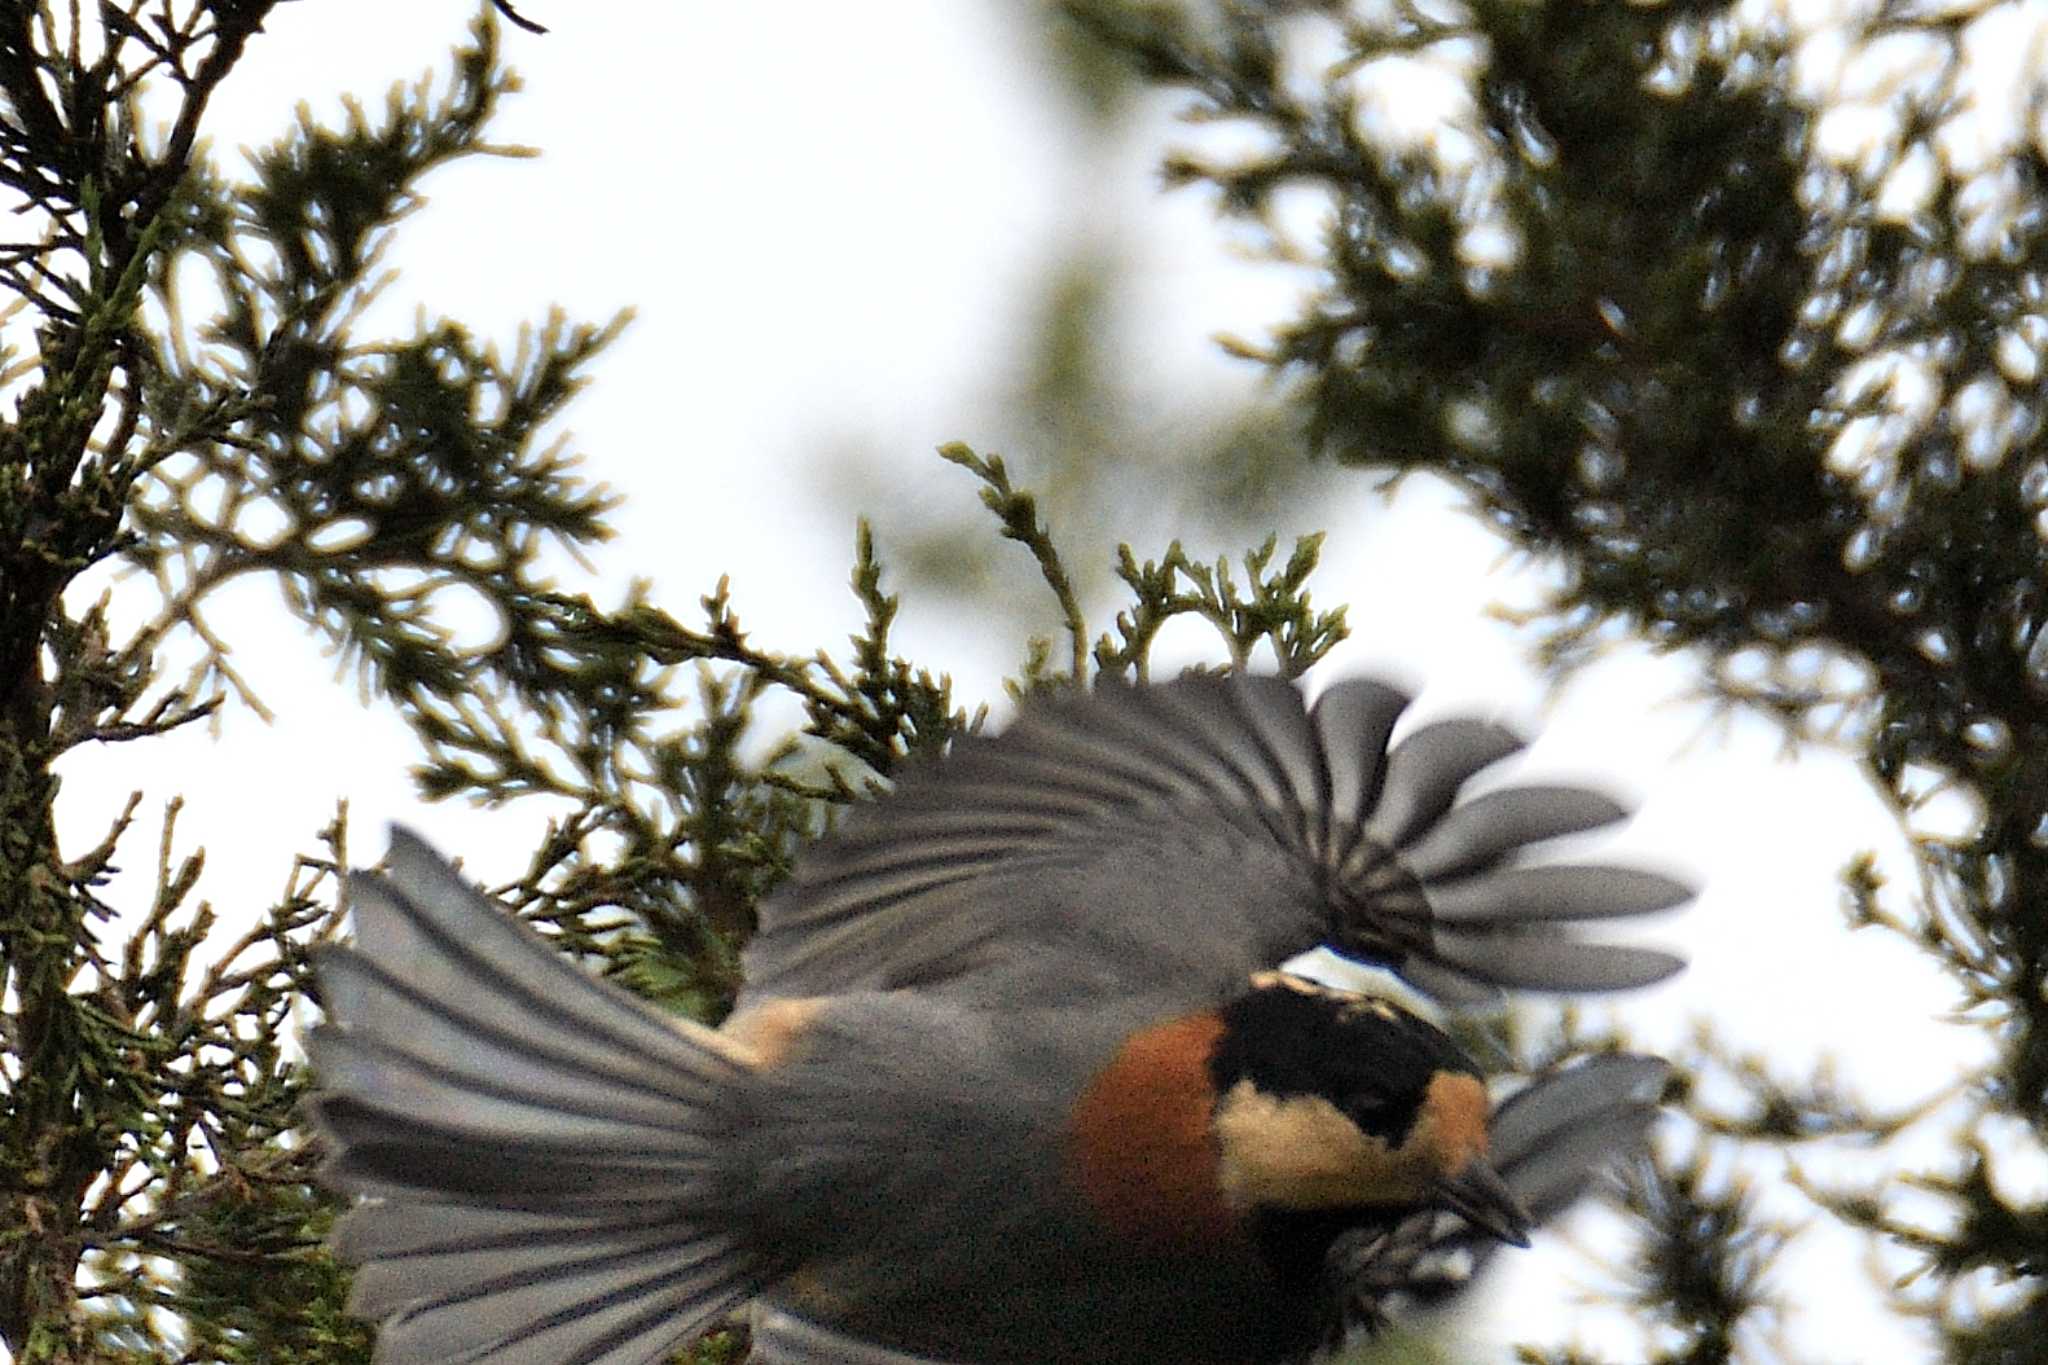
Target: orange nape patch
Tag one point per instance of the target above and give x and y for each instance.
(1139, 1146)
(767, 1033)
(1452, 1127)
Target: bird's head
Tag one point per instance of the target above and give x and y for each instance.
(1328, 1101)
(1293, 1110)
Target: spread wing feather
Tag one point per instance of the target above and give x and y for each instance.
(1560, 891)
(1206, 827)
(1560, 1132)
(1485, 829)
(1426, 771)
(1353, 721)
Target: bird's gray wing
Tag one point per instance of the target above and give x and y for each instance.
(1172, 838)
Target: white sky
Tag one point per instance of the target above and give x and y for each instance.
(885, 182)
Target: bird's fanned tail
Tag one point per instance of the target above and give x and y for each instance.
(529, 1138)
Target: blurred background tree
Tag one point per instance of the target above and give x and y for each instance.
(1745, 342)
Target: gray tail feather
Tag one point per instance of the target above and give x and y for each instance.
(782, 1338)
(539, 1150)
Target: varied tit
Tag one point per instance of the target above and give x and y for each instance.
(1014, 1077)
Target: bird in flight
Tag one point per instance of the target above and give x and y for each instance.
(1016, 1075)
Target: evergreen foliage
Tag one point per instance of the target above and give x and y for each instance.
(1764, 404)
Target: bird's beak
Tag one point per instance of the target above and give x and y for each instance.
(1483, 1199)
